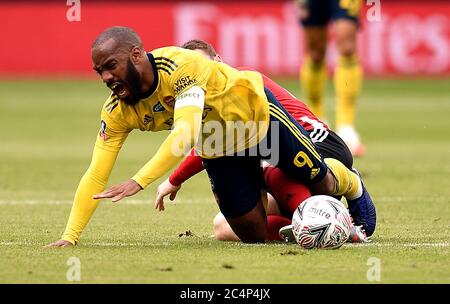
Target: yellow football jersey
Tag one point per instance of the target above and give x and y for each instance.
(230, 96)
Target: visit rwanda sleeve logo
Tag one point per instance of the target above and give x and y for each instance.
(184, 83)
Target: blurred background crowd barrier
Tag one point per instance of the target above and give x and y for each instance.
(54, 37)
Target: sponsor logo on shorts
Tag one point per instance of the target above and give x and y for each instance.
(314, 172)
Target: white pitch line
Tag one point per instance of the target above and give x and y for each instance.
(15, 243)
(140, 244)
(428, 245)
(151, 201)
(87, 244)
(126, 202)
(374, 244)
(35, 202)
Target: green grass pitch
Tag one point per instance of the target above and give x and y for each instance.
(47, 131)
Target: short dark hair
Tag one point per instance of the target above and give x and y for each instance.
(124, 36)
(197, 44)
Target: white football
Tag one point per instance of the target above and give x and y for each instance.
(321, 221)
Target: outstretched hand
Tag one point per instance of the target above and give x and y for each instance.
(59, 243)
(165, 189)
(118, 192)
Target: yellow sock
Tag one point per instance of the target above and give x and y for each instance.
(312, 82)
(347, 182)
(347, 83)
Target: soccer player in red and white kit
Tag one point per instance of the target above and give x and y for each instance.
(285, 193)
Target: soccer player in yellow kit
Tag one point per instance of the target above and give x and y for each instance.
(177, 89)
(314, 17)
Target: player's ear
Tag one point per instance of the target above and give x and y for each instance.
(136, 54)
(218, 58)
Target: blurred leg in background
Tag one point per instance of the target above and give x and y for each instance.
(315, 16)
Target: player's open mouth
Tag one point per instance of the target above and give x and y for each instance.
(119, 89)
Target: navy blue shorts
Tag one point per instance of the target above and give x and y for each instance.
(237, 181)
(298, 155)
(320, 12)
(334, 147)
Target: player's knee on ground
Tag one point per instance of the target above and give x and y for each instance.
(237, 183)
(272, 206)
(222, 230)
(326, 186)
(250, 227)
